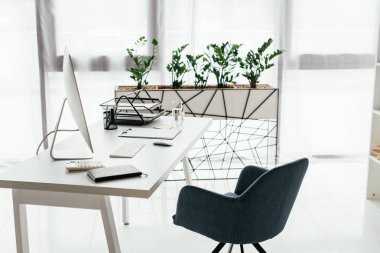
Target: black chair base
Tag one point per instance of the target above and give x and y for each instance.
(257, 246)
(219, 247)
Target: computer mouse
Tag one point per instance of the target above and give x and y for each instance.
(163, 143)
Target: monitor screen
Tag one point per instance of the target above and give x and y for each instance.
(73, 98)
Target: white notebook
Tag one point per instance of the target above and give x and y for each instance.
(151, 133)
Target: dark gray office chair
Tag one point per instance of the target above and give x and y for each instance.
(257, 211)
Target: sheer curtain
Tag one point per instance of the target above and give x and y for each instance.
(326, 77)
(329, 75)
(200, 23)
(20, 112)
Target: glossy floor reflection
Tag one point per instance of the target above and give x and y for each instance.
(331, 215)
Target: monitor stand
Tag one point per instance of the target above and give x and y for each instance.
(72, 154)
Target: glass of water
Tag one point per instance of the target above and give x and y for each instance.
(177, 113)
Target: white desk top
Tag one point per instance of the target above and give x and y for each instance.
(42, 173)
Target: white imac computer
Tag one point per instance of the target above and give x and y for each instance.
(76, 108)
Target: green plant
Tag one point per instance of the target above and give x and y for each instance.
(142, 64)
(177, 67)
(201, 69)
(223, 60)
(255, 63)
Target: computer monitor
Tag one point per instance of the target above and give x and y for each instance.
(76, 108)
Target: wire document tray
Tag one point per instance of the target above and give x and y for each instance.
(131, 109)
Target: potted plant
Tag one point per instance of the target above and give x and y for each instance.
(177, 67)
(256, 62)
(201, 69)
(142, 64)
(223, 59)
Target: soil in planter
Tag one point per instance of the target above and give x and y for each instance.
(166, 87)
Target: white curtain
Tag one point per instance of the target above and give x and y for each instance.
(329, 76)
(326, 78)
(199, 23)
(20, 113)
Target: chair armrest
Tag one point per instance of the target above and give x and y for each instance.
(247, 176)
(206, 212)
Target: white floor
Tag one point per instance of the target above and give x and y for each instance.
(331, 215)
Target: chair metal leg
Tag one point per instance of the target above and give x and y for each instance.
(230, 248)
(241, 248)
(259, 248)
(219, 247)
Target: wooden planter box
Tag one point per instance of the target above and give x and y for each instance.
(240, 102)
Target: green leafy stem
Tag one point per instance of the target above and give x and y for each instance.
(142, 64)
(255, 63)
(177, 67)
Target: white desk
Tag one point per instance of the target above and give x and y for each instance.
(42, 181)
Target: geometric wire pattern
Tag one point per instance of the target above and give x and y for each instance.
(231, 145)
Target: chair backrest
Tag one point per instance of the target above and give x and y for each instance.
(266, 204)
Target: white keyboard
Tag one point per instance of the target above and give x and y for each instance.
(128, 150)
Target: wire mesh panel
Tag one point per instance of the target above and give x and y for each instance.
(230, 145)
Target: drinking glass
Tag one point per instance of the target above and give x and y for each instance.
(177, 113)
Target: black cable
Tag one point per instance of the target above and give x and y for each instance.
(60, 130)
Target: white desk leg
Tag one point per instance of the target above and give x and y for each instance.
(21, 228)
(186, 169)
(125, 210)
(109, 224)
